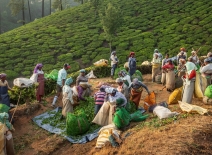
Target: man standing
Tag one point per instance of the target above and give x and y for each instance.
(62, 75)
(114, 63)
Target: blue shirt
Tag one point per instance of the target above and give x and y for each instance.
(62, 74)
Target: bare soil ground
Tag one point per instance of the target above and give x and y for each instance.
(189, 135)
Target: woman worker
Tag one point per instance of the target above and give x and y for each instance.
(132, 63)
(125, 77)
(4, 87)
(38, 76)
(170, 75)
(136, 91)
(156, 61)
(83, 78)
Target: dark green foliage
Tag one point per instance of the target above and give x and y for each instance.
(76, 35)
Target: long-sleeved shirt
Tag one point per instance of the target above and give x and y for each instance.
(81, 78)
(116, 96)
(114, 60)
(127, 79)
(67, 89)
(62, 74)
(156, 61)
(206, 69)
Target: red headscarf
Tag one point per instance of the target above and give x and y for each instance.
(132, 53)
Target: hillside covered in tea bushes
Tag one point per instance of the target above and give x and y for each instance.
(76, 35)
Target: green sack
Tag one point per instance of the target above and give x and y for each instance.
(137, 116)
(4, 108)
(76, 125)
(121, 118)
(128, 107)
(53, 75)
(137, 75)
(208, 91)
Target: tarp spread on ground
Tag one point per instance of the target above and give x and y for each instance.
(51, 122)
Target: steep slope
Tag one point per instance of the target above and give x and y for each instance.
(76, 33)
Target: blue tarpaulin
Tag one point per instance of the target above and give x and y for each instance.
(79, 139)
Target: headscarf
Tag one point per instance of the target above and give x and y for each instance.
(120, 101)
(82, 71)
(193, 52)
(182, 49)
(122, 73)
(119, 80)
(131, 53)
(190, 66)
(36, 67)
(135, 81)
(207, 60)
(68, 81)
(156, 50)
(110, 90)
(3, 75)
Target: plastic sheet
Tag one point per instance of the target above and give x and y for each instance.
(83, 139)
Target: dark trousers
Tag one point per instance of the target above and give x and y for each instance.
(97, 108)
(113, 68)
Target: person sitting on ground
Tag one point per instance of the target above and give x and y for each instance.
(156, 62)
(136, 91)
(62, 75)
(189, 80)
(181, 56)
(67, 97)
(195, 58)
(206, 70)
(105, 114)
(99, 98)
(38, 76)
(4, 87)
(114, 63)
(181, 68)
(170, 75)
(123, 88)
(159, 54)
(132, 63)
(125, 77)
(164, 61)
(83, 78)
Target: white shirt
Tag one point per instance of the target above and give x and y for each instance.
(67, 89)
(127, 78)
(205, 69)
(113, 99)
(113, 60)
(62, 74)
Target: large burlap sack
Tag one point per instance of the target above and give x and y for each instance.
(200, 86)
(149, 100)
(121, 118)
(208, 91)
(3, 130)
(192, 108)
(175, 96)
(207, 100)
(101, 62)
(22, 82)
(163, 112)
(91, 75)
(178, 82)
(126, 65)
(76, 125)
(158, 78)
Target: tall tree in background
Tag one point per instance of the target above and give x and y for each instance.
(42, 8)
(50, 6)
(30, 17)
(16, 6)
(111, 21)
(95, 4)
(81, 1)
(57, 4)
(0, 19)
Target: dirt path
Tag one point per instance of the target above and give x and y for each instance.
(191, 135)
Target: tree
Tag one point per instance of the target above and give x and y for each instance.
(57, 5)
(42, 8)
(81, 1)
(16, 6)
(30, 17)
(95, 4)
(111, 21)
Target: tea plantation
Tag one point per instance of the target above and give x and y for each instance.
(76, 36)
